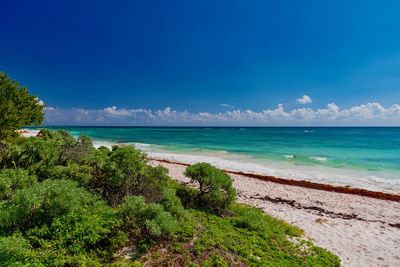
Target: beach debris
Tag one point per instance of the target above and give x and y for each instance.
(321, 220)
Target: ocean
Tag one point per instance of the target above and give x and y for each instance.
(366, 157)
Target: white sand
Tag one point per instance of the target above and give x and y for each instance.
(353, 227)
(28, 132)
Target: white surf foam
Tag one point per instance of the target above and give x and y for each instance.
(318, 158)
(289, 156)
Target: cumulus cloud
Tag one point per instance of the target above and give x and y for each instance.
(304, 100)
(331, 115)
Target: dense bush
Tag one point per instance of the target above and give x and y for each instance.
(147, 219)
(40, 154)
(60, 217)
(14, 179)
(80, 173)
(123, 172)
(17, 251)
(216, 192)
(172, 203)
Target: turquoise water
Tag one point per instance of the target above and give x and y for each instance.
(368, 149)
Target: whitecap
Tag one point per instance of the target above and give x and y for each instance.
(289, 156)
(319, 158)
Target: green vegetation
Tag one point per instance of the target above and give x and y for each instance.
(14, 179)
(215, 187)
(65, 203)
(18, 108)
(247, 237)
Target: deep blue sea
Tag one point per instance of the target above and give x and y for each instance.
(365, 156)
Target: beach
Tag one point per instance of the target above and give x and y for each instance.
(362, 231)
(360, 225)
(365, 158)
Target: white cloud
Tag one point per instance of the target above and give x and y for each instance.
(304, 100)
(39, 102)
(42, 104)
(365, 114)
(227, 106)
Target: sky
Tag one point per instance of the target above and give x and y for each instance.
(256, 63)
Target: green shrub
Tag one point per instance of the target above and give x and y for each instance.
(187, 195)
(9, 152)
(80, 173)
(216, 192)
(172, 203)
(147, 219)
(41, 204)
(123, 172)
(215, 261)
(53, 148)
(76, 150)
(81, 230)
(254, 219)
(16, 251)
(14, 179)
(62, 220)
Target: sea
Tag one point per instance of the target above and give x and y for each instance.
(361, 157)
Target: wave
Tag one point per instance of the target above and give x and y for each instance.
(318, 158)
(289, 156)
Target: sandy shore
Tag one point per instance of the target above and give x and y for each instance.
(362, 231)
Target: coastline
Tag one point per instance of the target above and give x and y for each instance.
(361, 226)
(304, 183)
(349, 225)
(287, 166)
(318, 177)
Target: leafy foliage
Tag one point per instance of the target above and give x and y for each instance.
(18, 108)
(12, 180)
(58, 216)
(147, 219)
(73, 171)
(123, 172)
(40, 154)
(216, 192)
(16, 250)
(223, 242)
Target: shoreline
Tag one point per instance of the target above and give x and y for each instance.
(345, 180)
(361, 226)
(361, 230)
(304, 183)
(263, 172)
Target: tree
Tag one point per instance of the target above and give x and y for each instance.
(18, 107)
(216, 192)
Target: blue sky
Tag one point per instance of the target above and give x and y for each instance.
(204, 57)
